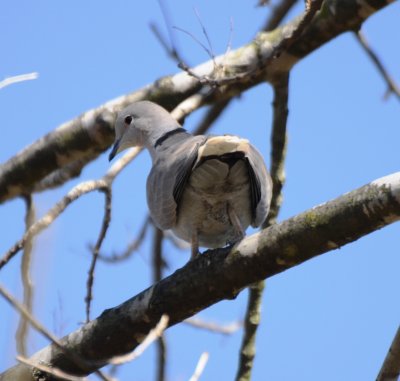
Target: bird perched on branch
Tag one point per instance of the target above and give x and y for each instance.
(207, 189)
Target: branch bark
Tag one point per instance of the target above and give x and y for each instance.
(222, 273)
(86, 137)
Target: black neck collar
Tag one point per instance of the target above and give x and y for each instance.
(168, 134)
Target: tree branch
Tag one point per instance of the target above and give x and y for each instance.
(87, 136)
(390, 370)
(222, 273)
(278, 152)
(252, 321)
(22, 333)
(391, 84)
(75, 193)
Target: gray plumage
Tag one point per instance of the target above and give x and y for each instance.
(207, 189)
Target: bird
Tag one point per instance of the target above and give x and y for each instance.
(206, 189)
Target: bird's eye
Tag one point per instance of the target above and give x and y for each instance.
(128, 119)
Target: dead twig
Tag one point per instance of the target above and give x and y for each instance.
(50, 370)
(392, 87)
(225, 329)
(48, 335)
(153, 335)
(23, 328)
(212, 114)
(189, 105)
(75, 193)
(132, 247)
(201, 364)
(103, 231)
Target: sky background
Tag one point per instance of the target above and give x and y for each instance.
(332, 318)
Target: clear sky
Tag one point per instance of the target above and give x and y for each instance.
(331, 318)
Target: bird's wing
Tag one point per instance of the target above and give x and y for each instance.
(168, 177)
(260, 185)
(259, 178)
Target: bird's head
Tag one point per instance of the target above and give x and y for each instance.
(139, 124)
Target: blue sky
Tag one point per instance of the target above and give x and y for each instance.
(331, 318)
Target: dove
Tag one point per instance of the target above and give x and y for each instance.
(207, 189)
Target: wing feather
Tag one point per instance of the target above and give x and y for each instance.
(168, 178)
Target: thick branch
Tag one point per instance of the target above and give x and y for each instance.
(85, 137)
(222, 273)
(390, 370)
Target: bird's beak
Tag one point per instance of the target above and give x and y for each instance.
(114, 150)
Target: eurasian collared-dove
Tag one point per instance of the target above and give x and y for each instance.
(207, 189)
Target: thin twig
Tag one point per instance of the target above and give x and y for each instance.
(201, 364)
(278, 144)
(75, 193)
(47, 334)
(210, 49)
(171, 51)
(212, 114)
(390, 369)
(103, 231)
(189, 105)
(225, 329)
(154, 334)
(391, 85)
(50, 370)
(132, 247)
(18, 78)
(278, 13)
(214, 80)
(23, 328)
(195, 39)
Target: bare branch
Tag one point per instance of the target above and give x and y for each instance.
(70, 355)
(278, 13)
(188, 106)
(95, 253)
(225, 329)
(75, 193)
(392, 86)
(222, 273)
(153, 335)
(53, 371)
(390, 370)
(158, 266)
(278, 145)
(210, 50)
(22, 330)
(278, 151)
(90, 134)
(252, 321)
(201, 364)
(60, 176)
(213, 113)
(132, 247)
(18, 78)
